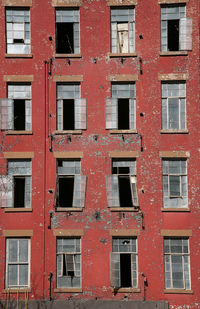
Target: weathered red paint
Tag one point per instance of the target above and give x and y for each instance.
(95, 43)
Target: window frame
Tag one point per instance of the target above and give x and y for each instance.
(7, 286)
(74, 254)
(182, 255)
(27, 45)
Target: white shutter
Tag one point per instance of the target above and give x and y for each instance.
(115, 270)
(185, 34)
(6, 191)
(134, 190)
(80, 114)
(79, 190)
(6, 114)
(132, 113)
(60, 115)
(112, 186)
(28, 114)
(111, 113)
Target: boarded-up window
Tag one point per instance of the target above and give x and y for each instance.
(124, 263)
(71, 109)
(18, 192)
(68, 262)
(18, 31)
(176, 29)
(17, 263)
(71, 185)
(122, 184)
(121, 108)
(67, 31)
(174, 106)
(177, 263)
(175, 193)
(122, 30)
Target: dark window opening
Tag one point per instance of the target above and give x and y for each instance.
(120, 170)
(19, 114)
(125, 270)
(18, 41)
(173, 35)
(65, 38)
(123, 114)
(125, 196)
(68, 115)
(66, 190)
(19, 192)
(70, 265)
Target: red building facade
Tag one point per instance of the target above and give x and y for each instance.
(100, 151)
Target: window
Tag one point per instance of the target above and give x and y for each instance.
(15, 188)
(175, 184)
(120, 109)
(177, 263)
(122, 30)
(67, 31)
(124, 273)
(71, 185)
(18, 30)
(176, 29)
(71, 109)
(68, 263)
(121, 185)
(16, 110)
(174, 106)
(17, 263)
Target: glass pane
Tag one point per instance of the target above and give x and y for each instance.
(23, 250)
(13, 248)
(23, 275)
(12, 275)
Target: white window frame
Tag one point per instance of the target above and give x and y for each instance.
(74, 254)
(171, 254)
(17, 263)
(181, 105)
(11, 46)
(133, 255)
(174, 200)
(116, 34)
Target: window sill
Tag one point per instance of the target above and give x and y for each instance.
(177, 291)
(18, 55)
(176, 209)
(123, 131)
(68, 56)
(124, 209)
(69, 209)
(126, 290)
(10, 290)
(20, 209)
(174, 131)
(123, 55)
(68, 132)
(15, 132)
(68, 290)
(174, 53)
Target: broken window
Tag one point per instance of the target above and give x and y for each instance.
(120, 109)
(122, 30)
(175, 193)
(177, 263)
(124, 263)
(17, 263)
(16, 110)
(15, 188)
(71, 185)
(18, 30)
(68, 262)
(174, 106)
(67, 31)
(71, 109)
(121, 185)
(176, 29)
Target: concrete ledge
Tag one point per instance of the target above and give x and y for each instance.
(127, 232)
(121, 3)
(174, 154)
(177, 291)
(68, 3)
(175, 233)
(123, 154)
(173, 76)
(123, 78)
(16, 2)
(68, 78)
(17, 233)
(172, 1)
(18, 155)
(68, 154)
(68, 290)
(18, 78)
(70, 232)
(18, 55)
